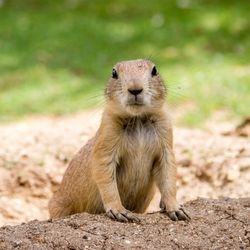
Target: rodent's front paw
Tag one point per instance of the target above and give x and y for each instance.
(178, 214)
(122, 216)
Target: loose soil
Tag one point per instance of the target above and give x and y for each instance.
(215, 224)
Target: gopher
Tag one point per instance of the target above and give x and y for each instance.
(118, 170)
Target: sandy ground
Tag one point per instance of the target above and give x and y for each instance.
(35, 152)
(214, 224)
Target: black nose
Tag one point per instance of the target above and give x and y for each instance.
(135, 92)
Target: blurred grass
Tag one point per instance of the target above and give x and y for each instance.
(56, 56)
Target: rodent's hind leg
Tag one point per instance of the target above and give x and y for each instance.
(59, 209)
(122, 216)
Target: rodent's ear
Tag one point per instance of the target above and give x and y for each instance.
(154, 71)
(114, 74)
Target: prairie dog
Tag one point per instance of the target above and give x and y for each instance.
(132, 152)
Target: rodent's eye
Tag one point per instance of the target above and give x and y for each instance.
(154, 71)
(114, 74)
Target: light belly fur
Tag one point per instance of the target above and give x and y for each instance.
(134, 168)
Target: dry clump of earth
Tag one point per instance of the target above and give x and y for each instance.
(35, 152)
(215, 224)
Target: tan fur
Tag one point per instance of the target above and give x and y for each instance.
(132, 152)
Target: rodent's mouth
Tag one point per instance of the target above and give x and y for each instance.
(135, 104)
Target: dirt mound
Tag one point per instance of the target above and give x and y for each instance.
(215, 224)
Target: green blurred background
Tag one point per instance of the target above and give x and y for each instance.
(56, 56)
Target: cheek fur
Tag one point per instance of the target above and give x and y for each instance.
(123, 100)
(147, 100)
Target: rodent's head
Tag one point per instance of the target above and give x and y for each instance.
(135, 87)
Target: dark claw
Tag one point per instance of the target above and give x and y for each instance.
(172, 216)
(162, 206)
(131, 217)
(122, 216)
(111, 215)
(179, 214)
(184, 212)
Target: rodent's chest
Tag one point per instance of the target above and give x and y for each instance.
(138, 149)
(139, 142)
(136, 157)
